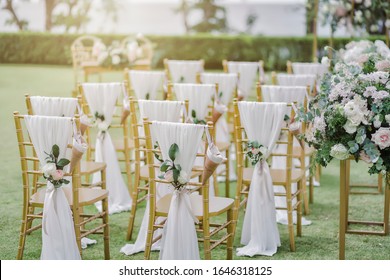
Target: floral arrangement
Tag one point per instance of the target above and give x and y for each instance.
(114, 56)
(195, 120)
(171, 171)
(255, 151)
(371, 15)
(53, 169)
(99, 122)
(350, 117)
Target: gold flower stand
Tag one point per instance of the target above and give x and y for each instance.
(344, 206)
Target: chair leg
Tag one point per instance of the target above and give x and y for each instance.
(290, 218)
(306, 207)
(230, 232)
(149, 236)
(77, 228)
(133, 209)
(22, 235)
(106, 231)
(299, 208)
(227, 173)
(311, 188)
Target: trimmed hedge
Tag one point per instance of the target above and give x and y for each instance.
(47, 48)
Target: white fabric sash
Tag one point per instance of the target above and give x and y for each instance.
(248, 72)
(58, 235)
(179, 240)
(296, 80)
(146, 82)
(184, 71)
(53, 106)
(262, 122)
(309, 68)
(101, 98)
(198, 96)
(227, 84)
(164, 111)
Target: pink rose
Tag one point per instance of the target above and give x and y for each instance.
(364, 157)
(382, 137)
(169, 176)
(57, 175)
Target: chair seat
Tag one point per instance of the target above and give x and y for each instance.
(308, 151)
(217, 205)
(278, 175)
(89, 167)
(223, 146)
(87, 196)
(144, 172)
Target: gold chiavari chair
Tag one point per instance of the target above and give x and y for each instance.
(34, 194)
(204, 207)
(282, 177)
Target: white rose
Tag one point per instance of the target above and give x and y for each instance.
(382, 138)
(374, 28)
(325, 61)
(339, 151)
(350, 127)
(102, 126)
(183, 178)
(387, 118)
(367, 3)
(48, 169)
(263, 150)
(116, 59)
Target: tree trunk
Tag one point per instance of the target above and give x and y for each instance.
(10, 7)
(49, 5)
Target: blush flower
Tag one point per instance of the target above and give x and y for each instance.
(382, 137)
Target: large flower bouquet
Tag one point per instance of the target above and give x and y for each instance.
(350, 117)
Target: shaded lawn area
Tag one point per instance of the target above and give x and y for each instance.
(319, 240)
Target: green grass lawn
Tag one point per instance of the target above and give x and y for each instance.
(319, 240)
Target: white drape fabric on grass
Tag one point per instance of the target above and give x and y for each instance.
(184, 71)
(260, 235)
(198, 96)
(154, 110)
(179, 240)
(288, 94)
(101, 98)
(53, 106)
(247, 72)
(296, 80)
(58, 235)
(146, 82)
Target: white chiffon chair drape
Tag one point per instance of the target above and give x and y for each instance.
(58, 235)
(311, 68)
(262, 122)
(302, 80)
(101, 99)
(227, 85)
(154, 110)
(146, 84)
(287, 95)
(53, 106)
(179, 240)
(184, 71)
(199, 97)
(248, 72)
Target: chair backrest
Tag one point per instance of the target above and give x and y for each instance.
(241, 140)
(145, 84)
(287, 94)
(139, 49)
(227, 84)
(247, 72)
(51, 106)
(86, 50)
(200, 99)
(183, 71)
(105, 99)
(188, 139)
(303, 80)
